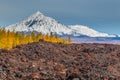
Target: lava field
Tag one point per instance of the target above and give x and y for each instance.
(56, 61)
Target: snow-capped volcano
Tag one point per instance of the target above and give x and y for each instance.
(40, 23)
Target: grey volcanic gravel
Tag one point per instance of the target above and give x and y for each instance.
(56, 61)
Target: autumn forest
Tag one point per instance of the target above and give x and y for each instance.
(10, 39)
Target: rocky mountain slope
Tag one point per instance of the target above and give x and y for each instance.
(52, 61)
(41, 23)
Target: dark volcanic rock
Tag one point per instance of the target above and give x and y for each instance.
(52, 61)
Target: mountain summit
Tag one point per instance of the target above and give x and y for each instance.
(41, 23)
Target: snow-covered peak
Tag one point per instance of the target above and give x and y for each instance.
(41, 23)
(38, 15)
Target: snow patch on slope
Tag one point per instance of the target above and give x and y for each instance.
(79, 29)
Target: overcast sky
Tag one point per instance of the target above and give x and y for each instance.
(101, 15)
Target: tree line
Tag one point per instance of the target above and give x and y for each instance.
(10, 39)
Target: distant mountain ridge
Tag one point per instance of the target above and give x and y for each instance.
(41, 23)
